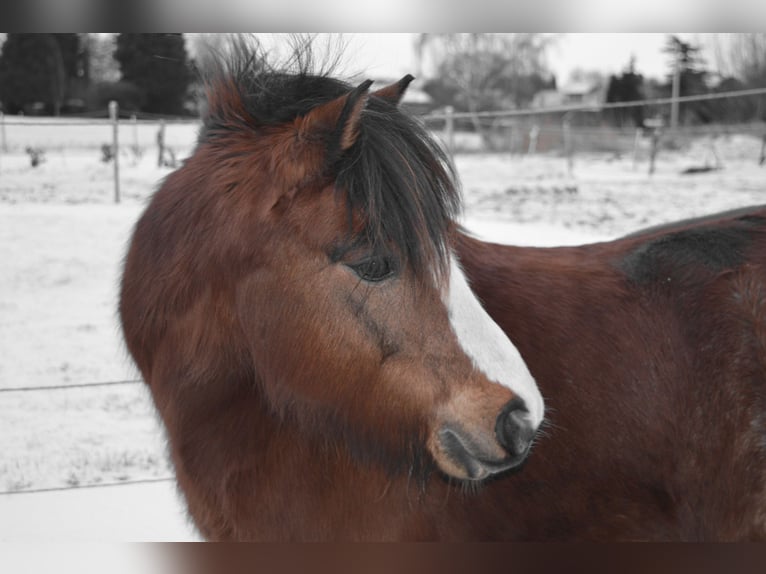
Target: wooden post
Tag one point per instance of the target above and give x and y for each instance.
(676, 92)
(762, 159)
(449, 127)
(161, 144)
(654, 149)
(114, 115)
(568, 145)
(3, 146)
(655, 126)
(636, 144)
(714, 151)
(3, 141)
(134, 121)
(534, 131)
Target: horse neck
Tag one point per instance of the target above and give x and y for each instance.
(270, 480)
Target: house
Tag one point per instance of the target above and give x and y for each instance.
(580, 92)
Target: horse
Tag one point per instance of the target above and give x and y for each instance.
(292, 300)
(334, 358)
(651, 353)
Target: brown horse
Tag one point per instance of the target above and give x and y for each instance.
(311, 344)
(651, 353)
(294, 297)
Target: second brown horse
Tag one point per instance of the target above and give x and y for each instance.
(651, 354)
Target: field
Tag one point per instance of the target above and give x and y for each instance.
(62, 240)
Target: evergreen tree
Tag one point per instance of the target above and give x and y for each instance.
(157, 65)
(37, 68)
(627, 87)
(488, 71)
(692, 74)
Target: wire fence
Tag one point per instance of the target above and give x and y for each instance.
(93, 384)
(19, 132)
(109, 140)
(88, 486)
(72, 386)
(606, 105)
(576, 128)
(565, 130)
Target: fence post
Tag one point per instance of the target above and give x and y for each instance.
(655, 149)
(134, 122)
(676, 92)
(114, 115)
(568, 147)
(3, 147)
(510, 131)
(3, 141)
(449, 127)
(161, 144)
(534, 131)
(636, 143)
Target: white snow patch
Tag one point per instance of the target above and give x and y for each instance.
(125, 513)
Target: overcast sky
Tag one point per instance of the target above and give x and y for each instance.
(393, 54)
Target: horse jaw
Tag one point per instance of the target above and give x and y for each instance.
(488, 347)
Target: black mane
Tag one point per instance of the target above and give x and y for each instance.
(395, 174)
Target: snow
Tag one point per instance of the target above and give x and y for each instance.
(126, 513)
(92, 558)
(62, 240)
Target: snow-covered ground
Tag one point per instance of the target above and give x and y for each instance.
(62, 240)
(126, 513)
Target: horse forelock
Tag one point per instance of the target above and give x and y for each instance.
(399, 178)
(394, 175)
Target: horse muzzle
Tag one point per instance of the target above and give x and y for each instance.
(474, 454)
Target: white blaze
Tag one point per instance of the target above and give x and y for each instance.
(487, 345)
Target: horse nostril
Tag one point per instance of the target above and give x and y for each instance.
(513, 429)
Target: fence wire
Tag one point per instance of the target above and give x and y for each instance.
(88, 486)
(72, 386)
(599, 106)
(504, 121)
(80, 486)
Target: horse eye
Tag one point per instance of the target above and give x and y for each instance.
(375, 268)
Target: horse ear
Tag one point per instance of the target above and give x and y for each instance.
(337, 121)
(393, 93)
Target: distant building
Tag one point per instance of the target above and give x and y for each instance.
(547, 99)
(573, 93)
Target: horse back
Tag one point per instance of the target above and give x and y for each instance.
(651, 353)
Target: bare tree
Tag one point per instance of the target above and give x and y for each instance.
(741, 55)
(488, 71)
(103, 66)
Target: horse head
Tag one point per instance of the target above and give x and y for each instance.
(308, 238)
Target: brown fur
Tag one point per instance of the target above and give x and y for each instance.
(394, 93)
(656, 391)
(301, 403)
